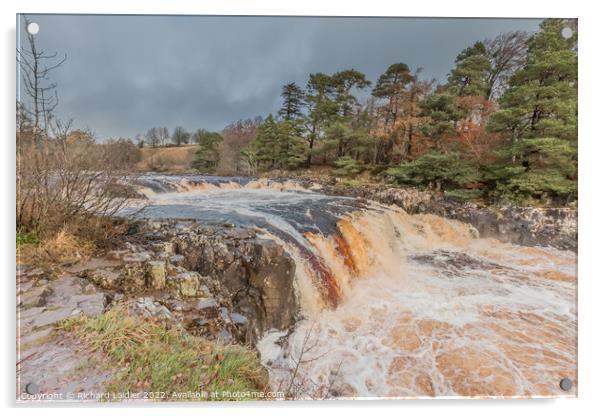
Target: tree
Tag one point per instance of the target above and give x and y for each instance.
(237, 137)
(322, 107)
(401, 113)
(162, 135)
(471, 73)
(541, 100)
(180, 136)
(507, 53)
(343, 83)
(390, 86)
(36, 67)
(152, 137)
(442, 171)
(207, 156)
(278, 145)
(536, 169)
(347, 166)
(293, 101)
(444, 115)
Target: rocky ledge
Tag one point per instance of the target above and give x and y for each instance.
(530, 226)
(225, 283)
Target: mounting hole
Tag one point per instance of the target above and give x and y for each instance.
(32, 388)
(566, 384)
(566, 32)
(33, 28)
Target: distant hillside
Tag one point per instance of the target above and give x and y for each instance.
(167, 159)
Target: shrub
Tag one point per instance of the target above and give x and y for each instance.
(536, 170)
(347, 166)
(435, 169)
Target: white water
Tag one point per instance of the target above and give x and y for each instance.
(408, 305)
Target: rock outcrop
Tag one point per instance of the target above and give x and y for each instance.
(554, 227)
(255, 275)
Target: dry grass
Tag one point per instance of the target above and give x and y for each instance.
(62, 249)
(167, 159)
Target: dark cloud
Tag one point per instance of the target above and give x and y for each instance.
(125, 74)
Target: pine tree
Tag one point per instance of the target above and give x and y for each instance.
(344, 82)
(390, 86)
(293, 101)
(322, 108)
(471, 74)
(541, 100)
(541, 169)
(207, 156)
(438, 170)
(444, 114)
(278, 145)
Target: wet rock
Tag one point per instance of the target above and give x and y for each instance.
(65, 296)
(34, 297)
(106, 279)
(254, 275)
(34, 337)
(156, 274)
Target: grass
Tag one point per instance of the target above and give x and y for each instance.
(63, 248)
(27, 238)
(153, 358)
(167, 159)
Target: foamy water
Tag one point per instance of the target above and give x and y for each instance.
(395, 305)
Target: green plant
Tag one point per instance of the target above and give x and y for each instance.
(435, 169)
(155, 358)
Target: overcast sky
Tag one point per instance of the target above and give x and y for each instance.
(125, 74)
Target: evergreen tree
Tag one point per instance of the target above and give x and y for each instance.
(471, 74)
(293, 101)
(207, 156)
(437, 170)
(344, 82)
(390, 86)
(443, 113)
(322, 107)
(541, 100)
(278, 145)
(347, 166)
(543, 169)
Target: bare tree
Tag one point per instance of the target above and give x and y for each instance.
(63, 175)
(508, 52)
(152, 137)
(163, 135)
(36, 67)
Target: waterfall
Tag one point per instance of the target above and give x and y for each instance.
(392, 304)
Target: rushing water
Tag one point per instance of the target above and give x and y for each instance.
(396, 305)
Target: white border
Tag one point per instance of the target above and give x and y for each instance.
(590, 204)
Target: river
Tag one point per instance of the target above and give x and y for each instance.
(396, 305)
